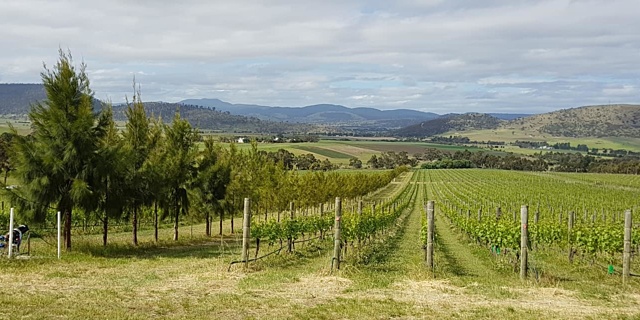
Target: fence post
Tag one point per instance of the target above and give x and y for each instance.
(626, 256)
(10, 233)
(59, 242)
(479, 214)
(524, 240)
(560, 217)
(360, 207)
(337, 232)
(430, 229)
(570, 224)
(291, 209)
(498, 213)
(246, 232)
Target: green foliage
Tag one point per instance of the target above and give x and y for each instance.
(55, 164)
(354, 226)
(179, 167)
(486, 190)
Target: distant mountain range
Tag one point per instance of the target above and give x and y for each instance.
(330, 114)
(590, 121)
(322, 114)
(15, 100)
(220, 121)
(214, 114)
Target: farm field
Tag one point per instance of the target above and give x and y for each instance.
(383, 278)
(511, 135)
(339, 152)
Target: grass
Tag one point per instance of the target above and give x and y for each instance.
(188, 279)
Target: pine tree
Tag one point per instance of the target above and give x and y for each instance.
(212, 181)
(137, 140)
(179, 167)
(55, 163)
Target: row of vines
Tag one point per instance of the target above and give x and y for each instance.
(362, 221)
(563, 213)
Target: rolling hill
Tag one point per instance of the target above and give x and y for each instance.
(322, 114)
(208, 119)
(590, 121)
(15, 98)
(455, 122)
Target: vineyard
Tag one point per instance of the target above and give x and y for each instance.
(579, 216)
(290, 271)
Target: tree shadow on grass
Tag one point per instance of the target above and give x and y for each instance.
(204, 248)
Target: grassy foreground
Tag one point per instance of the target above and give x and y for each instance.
(188, 279)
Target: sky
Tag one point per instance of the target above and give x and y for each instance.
(514, 56)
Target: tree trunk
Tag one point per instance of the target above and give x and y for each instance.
(105, 229)
(135, 224)
(221, 217)
(155, 220)
(207, 226)
(175, 225)
(67, 229)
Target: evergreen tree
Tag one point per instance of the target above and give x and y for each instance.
(137, 138)
(179, 167)
(55, 163)
(212, 181)
(111, 172)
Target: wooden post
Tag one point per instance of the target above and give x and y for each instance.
(524, 240)
(321, 209)
(360, 207)
(373, 208)
(246, 232)
(10, 244)
(570, 224)
(498, 213)
(337, 233)
(59, 224)
(626, 255)
(430, 230)
(468, 214)
(536, 217)
(572, 220)
(515, 216)
(291, 207)
(560, 217)
(479, 214)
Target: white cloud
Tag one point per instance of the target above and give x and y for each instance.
(442, 56)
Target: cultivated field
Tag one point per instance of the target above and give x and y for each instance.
(383, 274)
(511, 135)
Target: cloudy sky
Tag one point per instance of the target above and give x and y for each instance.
(431, 55)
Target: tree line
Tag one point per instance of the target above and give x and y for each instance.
(76, 161)
(552, 161)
